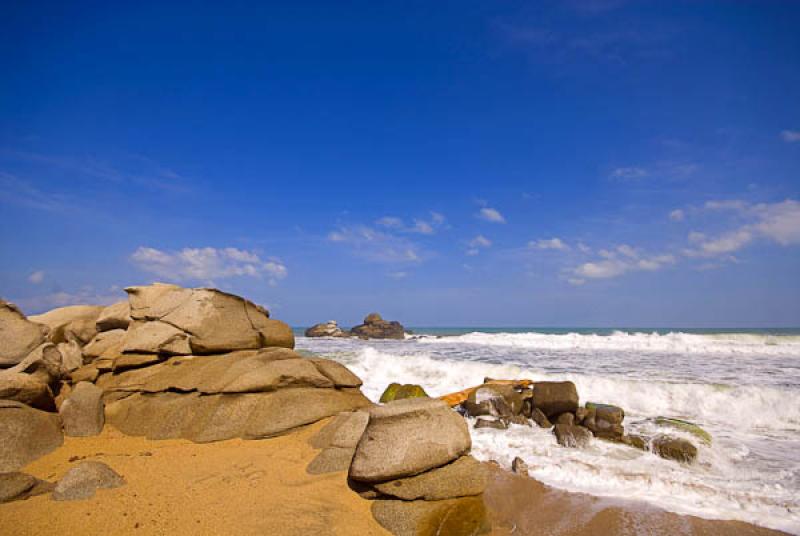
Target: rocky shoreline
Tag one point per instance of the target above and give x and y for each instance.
(180, 367)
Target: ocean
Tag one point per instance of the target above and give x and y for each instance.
(742, 386)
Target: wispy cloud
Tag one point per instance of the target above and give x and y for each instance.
(16, 191)
(551, 243)
(375, 245)
(478, 243)
(417, 225)
(629, 173)
(619, 261)
(207, 264)
(677, 215)
(87, 295)
(491, 215)
(790, 136)
(36, 277)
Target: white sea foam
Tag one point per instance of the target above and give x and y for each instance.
(673, 342)
(751, 472)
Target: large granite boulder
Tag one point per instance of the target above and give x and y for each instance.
(555, 398)
(18, 335)
(178, 320)
(338, 441)
(375, 327)
(117, 316)
(83, 480)
(408, 437)
(327, 329)
(83, 412)
(71, 355)
(461, 478)
(107, 344)
(26, 389)
(250, 394)
(26, 434)
(72, 323)
(44, 363)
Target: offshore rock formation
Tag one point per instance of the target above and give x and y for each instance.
(374, 327)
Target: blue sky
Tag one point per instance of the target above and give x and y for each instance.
(575, 163)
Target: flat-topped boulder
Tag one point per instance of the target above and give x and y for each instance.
(176, 320)
(375, 327)
(18, 335)
(26, 389)
(116, 316)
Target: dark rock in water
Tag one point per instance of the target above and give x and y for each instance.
(674, 448)
(396, 391)
(82, 481)
(497, 400)
(326, 329)
(466, 516)
(461, 478)
(636, 441)
(407, 437)
(26, 434)
(83, 412)
(519, 466)
(519, 420)
(607, 412)
(686, 426)
(540, 418)
(19, 486)
(572, 436)
(554, 398)
(375, 327)
(497, 424)
(566, 418)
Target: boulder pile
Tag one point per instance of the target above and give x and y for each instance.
(374, 327)
(412, 458)
(555, 405)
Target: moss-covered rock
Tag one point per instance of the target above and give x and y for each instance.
(397, 391)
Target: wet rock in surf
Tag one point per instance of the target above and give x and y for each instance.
(497, 424)
(397, 391)
(572, 436)
(554, 398)
(674, 448)
(497, 400)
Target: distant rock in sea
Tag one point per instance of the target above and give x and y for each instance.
(375, 327)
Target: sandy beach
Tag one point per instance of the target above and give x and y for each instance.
(261, 487)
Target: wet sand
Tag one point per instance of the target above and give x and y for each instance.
(261, 487)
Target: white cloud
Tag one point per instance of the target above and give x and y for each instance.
(207, 264)
(376, 246)
(491, 215)
(437, 218)
(552, 243)
(419, 226)
(36, 277)
(622, 260)
(790, 136)
(775, 222)
(677, 215)
(84, 296)
(629, 173)
(583, 248)
(398, 275)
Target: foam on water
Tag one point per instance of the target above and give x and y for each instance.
(751, 472)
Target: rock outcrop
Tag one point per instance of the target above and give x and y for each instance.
(338, 441)
(117, 316)
(375, 327)
(83, 480)
(72, 323)
(26, 434)
(674, 448)
(27, 389)
(327, 329)
(18, 335)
